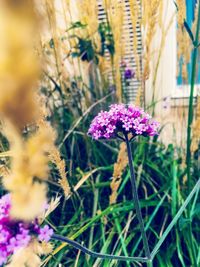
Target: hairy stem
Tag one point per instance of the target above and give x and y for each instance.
(136, 199)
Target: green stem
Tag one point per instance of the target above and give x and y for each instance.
(190, 119)
(149, 264)
(190, 110)
(96, 254)
(136, 198)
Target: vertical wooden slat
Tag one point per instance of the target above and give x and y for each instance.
(132, 56)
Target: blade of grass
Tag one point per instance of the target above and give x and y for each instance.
(150, 221)
(174, 188)
(119, 230)
(174, 221)
(96, 196)
(179, 249)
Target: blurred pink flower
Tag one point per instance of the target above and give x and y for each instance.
(17, 234)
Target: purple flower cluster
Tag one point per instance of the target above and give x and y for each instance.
(125, 119)
(17, 234)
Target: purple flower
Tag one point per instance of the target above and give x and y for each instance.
(124, 119)
(45, 233)
(3, 255)
(17, 234)
(13, 245)
(128, 74)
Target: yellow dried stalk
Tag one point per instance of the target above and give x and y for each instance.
(196, 128)
(136, 21)
(183, 52)
(29, 160)
(183, 40)
(53, 153)
(52, 205)
(60, 163)
(151, 11)
(139, 95)
(19, 66)
(19, 72)
(119, 167)
(115, 13)
(104, 66)
(181, 14)
(51, 14)
(160, 14)
(88, 15)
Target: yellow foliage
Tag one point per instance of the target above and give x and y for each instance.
(136, 21)
(150, 19)
(28, 201)
(56, 158)
(115, 11)
(19, 72)
(19, 66)
(53, 152)
(196, 128)
(181, 15)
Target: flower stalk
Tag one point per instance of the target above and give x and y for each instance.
(96, 254)
(190, 120)
(190, 110)
(136, 198)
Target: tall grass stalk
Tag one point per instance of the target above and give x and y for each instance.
(190, 110)
(189, 125)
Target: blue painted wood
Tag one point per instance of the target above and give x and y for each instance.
(190, 13)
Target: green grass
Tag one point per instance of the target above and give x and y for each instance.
(88, 218)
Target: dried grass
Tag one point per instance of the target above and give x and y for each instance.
(196, 128)
(119, 166)
(150, 19)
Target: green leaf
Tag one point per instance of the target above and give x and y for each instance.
(75, 54)
(77, 24)
(189, 31)
(183, 223)
(196, 210)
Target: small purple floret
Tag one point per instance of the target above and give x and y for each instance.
(45, 233)
(124, 119)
